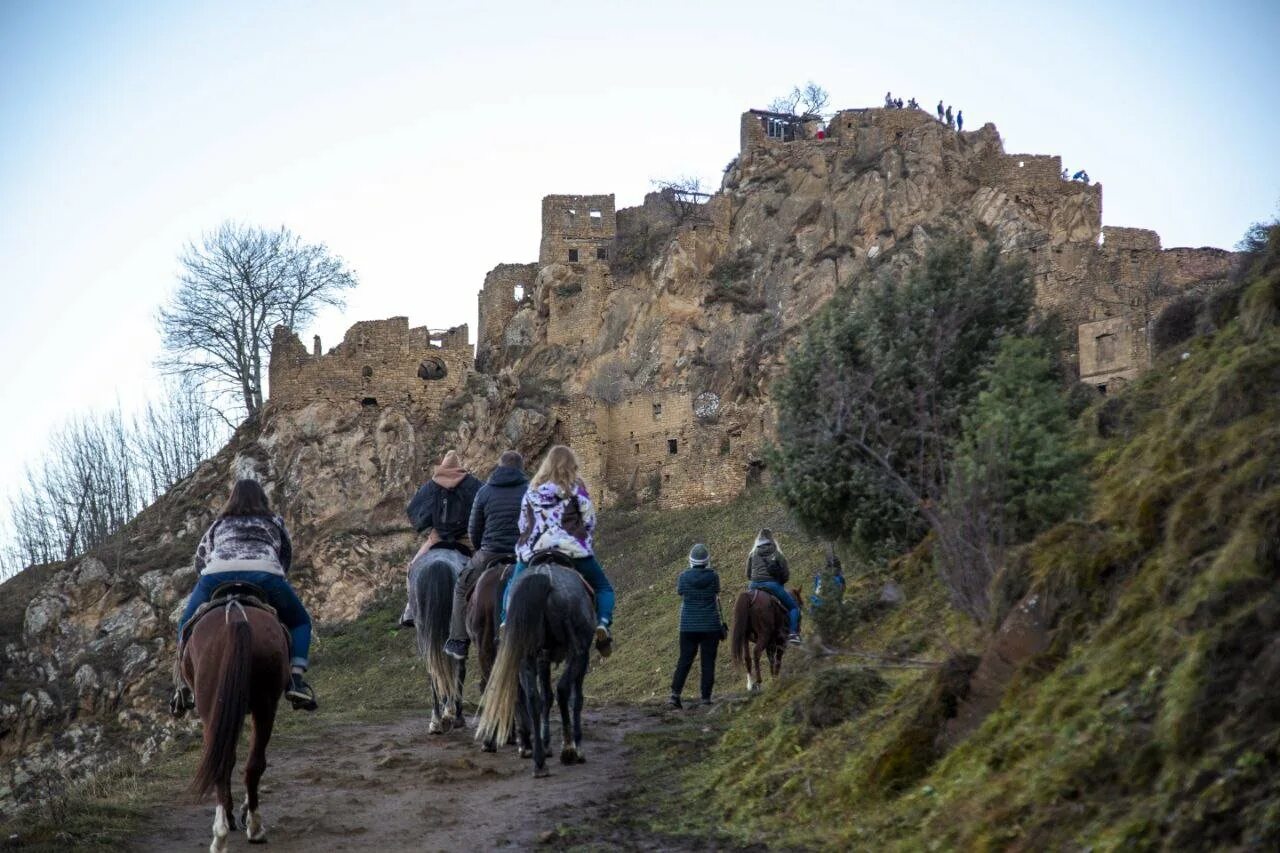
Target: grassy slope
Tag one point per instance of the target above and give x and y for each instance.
(1151, 720)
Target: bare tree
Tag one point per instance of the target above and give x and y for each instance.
(236, 286)
(173, 435)
(811, 99)
(683, 198)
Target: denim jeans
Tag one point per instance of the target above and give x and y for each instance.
(779, 592)
(589, 568)
(279, 595)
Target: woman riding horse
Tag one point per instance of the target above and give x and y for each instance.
(557, 514)
(767, 570)
(247, 543)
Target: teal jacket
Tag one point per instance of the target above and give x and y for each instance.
(698, 587)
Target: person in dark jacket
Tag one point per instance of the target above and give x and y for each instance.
(443, 506)
(249, 543)
(699, 588)
(494, 528)
(767, 570)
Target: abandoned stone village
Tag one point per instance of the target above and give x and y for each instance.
(624, 311)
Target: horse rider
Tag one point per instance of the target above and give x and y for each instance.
(442, 505)
(249, 544)
(494, 527)
(557, 514)
(767, 570)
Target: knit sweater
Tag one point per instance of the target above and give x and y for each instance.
(245, 543)
(698, 587)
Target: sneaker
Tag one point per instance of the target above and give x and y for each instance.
(794, 639)
(183, 700)
(674, 702)
(604, 640)
(457, 649)
(300, 694)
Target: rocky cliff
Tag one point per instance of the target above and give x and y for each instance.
(651, 353)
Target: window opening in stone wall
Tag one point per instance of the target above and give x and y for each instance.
(602, 254)
(367, 372)
(570, 216)
(573, 256)
(369, 401)
(657, 411)
(673, 446)
(724, 446)
(1102, 389)
(596, 217)
(637, 449)
(518, 293)
(1106, 347)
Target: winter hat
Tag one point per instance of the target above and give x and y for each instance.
(699, 555)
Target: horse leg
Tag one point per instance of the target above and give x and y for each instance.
(544, 683)
(436, 726)
(564, 691)
(535, 717)
(255, 765)
(775, 660)
(756, 653)
(224, 819)
(462, 682)
(446, 706)
(580, 675)
(525, 726)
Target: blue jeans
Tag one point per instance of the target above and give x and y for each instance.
(779, 592)
(279, 595)
(589, 568)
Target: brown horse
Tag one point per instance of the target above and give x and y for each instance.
(759, 618)
(237, 661)
(482, 622)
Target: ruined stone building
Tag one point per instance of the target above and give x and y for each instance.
(657, 328)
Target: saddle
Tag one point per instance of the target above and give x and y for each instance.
(503, 563)
(460, 547)
(550, 556)
(773, 598)
(244, 594)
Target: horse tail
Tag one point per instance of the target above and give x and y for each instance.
(741, 622)
(521, 639)
(433, 589)
(230, 706)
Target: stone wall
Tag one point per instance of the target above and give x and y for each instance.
(577, 229)
(378, 363)
(506, 288)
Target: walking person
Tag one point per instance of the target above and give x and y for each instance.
(701, 626)
(493, 528)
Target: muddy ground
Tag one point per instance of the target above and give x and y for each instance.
(392, 786)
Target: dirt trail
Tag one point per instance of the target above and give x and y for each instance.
(391, 786)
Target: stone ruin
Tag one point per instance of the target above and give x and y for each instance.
(675, 442)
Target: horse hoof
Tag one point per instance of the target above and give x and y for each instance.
(526, 752)
(434, 728)
(568, 755)
(541, 772)
(489, 746)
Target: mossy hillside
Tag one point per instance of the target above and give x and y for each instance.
(1148, 722)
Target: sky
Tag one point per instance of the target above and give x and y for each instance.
(416, 139)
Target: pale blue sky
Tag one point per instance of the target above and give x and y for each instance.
(417, 139)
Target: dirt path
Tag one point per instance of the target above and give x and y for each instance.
(391, 786)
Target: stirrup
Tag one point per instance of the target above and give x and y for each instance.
(183, 700)
(604, 640)
(457, 649)
(794, 639)
(300, 695)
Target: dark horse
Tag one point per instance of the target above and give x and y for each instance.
(759, 618)
(550, 619)
(482, 622)
(432, 576)
(236, 659)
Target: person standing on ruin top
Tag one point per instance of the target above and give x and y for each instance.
(960, 120)
(940, 110)
(951, 122)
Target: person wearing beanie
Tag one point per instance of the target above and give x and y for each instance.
(443, 506)
(767, 570)
(700, 623)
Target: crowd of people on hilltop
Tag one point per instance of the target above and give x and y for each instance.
(954, 120)
(509, 515)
